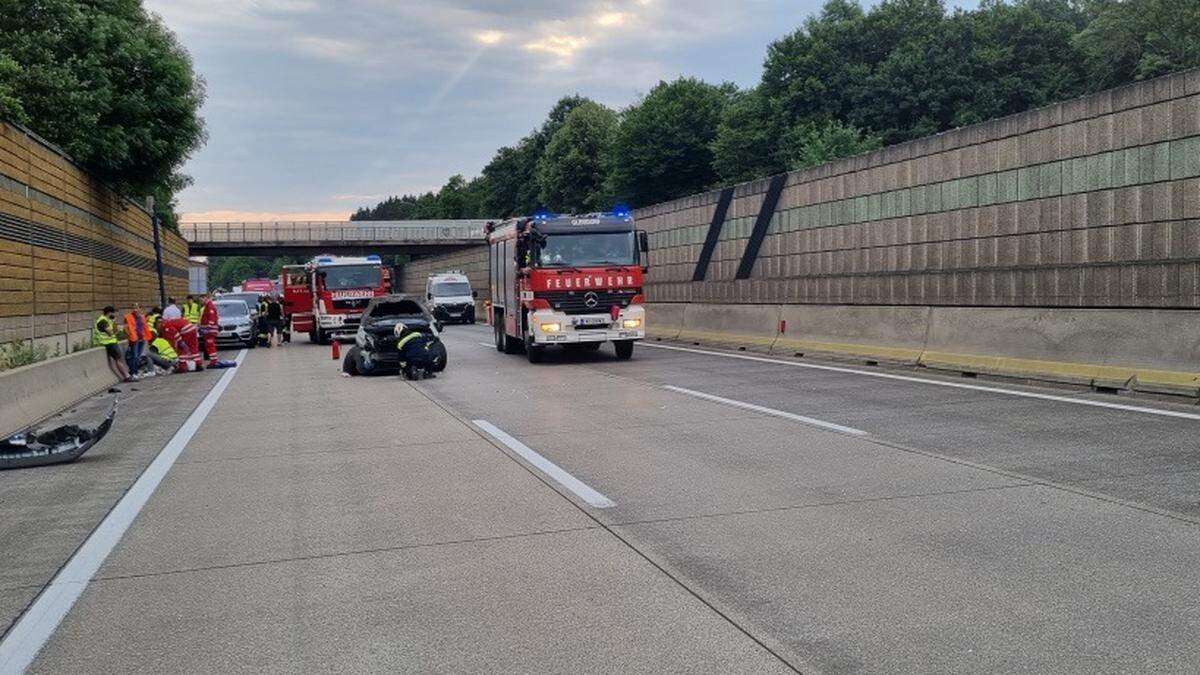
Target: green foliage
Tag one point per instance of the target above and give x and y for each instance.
(229, 271)
(663, 146)
(23, 353)
(106, 82)
(811, 144)
(1130, 40)
(82, 345)
(572, 172)
(747, 140)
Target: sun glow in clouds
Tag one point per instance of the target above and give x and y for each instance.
(611, 19)
(489, 37)
(562, 46)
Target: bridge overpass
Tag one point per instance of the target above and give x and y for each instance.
(338, 237)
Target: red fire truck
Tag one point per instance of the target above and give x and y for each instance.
(326, 296)
(567, 280)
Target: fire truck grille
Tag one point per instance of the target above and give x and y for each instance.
(587, 302)
(356, 303)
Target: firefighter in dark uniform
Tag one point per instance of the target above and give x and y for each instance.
(421, 354)
(264, 330)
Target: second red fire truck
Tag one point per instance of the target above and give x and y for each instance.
(326, 297)
(574, 281)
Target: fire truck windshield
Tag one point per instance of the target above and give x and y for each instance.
(350, 276)
(582, 250)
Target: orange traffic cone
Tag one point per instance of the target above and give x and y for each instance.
(337, 350)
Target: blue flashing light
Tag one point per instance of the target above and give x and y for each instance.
(542, 215)
(325, 259)
(373, 258)
(621, 211)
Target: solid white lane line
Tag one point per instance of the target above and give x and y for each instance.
(486, 344)
(768, 411)
(547, 467)
(39, 622)
(940, 383)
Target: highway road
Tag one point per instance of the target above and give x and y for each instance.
(689, 510)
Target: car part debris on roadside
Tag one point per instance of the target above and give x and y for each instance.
(62, 444)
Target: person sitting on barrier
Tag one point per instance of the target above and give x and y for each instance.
(418, 357)
(104, 334)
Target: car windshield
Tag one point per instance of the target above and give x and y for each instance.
(230, 309)
(580, 250)
(447, 288)
(350, 276)
(251, 299)
(394, 308)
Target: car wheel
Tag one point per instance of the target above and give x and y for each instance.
(350, 362)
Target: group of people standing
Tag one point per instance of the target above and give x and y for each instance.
(270, 321)
(155, 339)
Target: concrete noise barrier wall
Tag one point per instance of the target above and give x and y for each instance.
(1136, 349)
(32, 393)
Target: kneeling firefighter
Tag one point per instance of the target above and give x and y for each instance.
(421, 354)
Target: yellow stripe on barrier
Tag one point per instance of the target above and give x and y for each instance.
(719, 336)
(903, 354)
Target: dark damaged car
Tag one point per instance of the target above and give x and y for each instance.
(374, 351)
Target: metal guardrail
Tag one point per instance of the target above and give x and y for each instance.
(402, 231)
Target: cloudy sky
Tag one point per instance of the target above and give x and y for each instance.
(316, 107)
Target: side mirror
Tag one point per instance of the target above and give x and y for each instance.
(429, 296)
(440, 327)
(643, 241)
(475, 295)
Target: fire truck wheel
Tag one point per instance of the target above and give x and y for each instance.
(624, 349)
(534, 353)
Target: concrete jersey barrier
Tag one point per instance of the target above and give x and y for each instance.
(752, 327)
(1138, 349)
(31, 393)
(876, 333)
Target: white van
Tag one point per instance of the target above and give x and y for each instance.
(450, 297)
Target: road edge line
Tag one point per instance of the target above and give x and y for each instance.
(811, 421)
(552, 470)
(29, 635)
(939, 383)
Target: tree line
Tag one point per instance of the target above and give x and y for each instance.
(847, 81)
(109, 84)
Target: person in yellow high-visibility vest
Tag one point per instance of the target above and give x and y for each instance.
(192, 309)
(162, 353)
(104, 334)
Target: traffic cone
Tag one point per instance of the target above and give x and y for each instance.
(337, 350)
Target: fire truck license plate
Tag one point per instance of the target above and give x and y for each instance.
(590, 321)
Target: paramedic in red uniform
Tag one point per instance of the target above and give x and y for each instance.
(209, 327)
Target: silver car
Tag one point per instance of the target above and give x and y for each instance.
(236, 324)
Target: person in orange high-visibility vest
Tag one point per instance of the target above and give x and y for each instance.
(137, 331)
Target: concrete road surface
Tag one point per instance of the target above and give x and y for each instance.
(688, 510)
